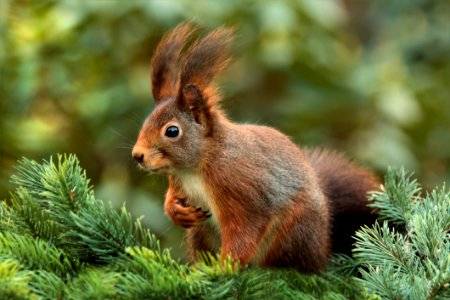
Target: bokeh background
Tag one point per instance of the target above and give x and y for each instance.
(369, 78)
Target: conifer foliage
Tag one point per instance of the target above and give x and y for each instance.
(57, 241)
(410, 260)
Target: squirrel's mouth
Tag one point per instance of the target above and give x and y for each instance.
(156, 164)
(160, 170)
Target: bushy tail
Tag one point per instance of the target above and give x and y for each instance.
(346, 186)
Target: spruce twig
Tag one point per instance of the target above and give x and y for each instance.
(414, 264)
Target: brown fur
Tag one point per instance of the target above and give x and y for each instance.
(201, 238)
(346, 186)
(164, 71)
(271, 203)
(204, 60)
(289, 250)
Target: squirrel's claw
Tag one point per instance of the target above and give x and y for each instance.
(187, 216)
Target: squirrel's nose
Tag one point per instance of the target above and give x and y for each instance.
(138, 156)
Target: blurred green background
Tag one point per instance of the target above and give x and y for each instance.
(369, 78)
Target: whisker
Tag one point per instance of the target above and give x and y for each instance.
(128, 147)
(167, 229)
(136, 118)
(121, 135)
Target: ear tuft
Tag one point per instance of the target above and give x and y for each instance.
(165, 73)
(204, 60)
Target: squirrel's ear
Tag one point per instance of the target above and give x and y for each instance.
(191, 99)
(165, 73)
(204, 60)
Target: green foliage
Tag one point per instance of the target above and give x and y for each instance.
(56, 204)
(413, 263)
(36, 254)
(57, 241)
(13, 281)
(396, 198)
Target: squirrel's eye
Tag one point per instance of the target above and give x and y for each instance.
(172, 131)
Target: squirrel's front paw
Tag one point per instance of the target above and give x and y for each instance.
(185, 215)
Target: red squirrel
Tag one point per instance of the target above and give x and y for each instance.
(243, 190)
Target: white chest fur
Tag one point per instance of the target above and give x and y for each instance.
(198, 194)
(195, 189)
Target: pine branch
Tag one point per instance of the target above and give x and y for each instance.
(96, 283)
(430, 224)
(47, 285)
(160, 271)
(55, 202)
(57, 187)
(33, 220)
(378, 246)
(103, 234)
(414, 264)
(14, 281)
(36, 254)
(396, 197)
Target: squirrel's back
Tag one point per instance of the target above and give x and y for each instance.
(265, 158)
(346, 186)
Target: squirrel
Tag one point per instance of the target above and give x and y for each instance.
(243, 190)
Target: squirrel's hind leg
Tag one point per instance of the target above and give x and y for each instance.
(202, 238)
(302, 242)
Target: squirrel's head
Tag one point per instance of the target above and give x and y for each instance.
(183, 122)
